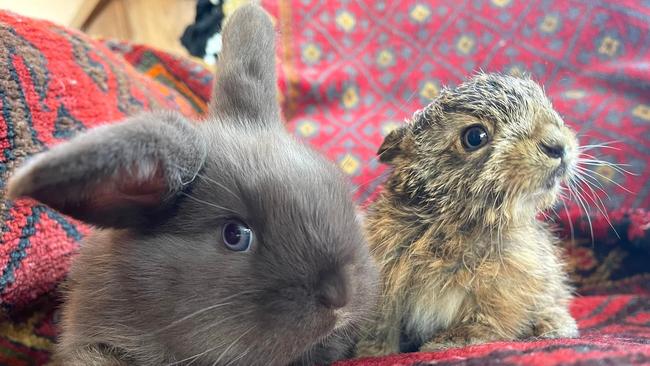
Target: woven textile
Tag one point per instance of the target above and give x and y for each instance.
(350, 72)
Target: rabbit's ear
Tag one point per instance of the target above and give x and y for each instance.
(121, 175)
(392, 145)
(245, 82)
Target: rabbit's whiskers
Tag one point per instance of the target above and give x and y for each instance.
(203, 176)
(197, 356)
(224, 302)
(232, 345)
(208, 203)
(241, 355)
(192, 359)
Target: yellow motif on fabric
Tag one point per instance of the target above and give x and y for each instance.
(642, 111)
(429, 90)
(575, 94)
(229, 6)
(465, 44)
(350, 98)
(311, 53)
(516, 71)
(606, 174)
(549, 24)
(346, 21)
(501, 3)
(420, 13)
(387, 127)
(349, 164)
(385, 58)
(307, 128)
(609, 46)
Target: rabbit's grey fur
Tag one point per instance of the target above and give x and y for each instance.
(155, 284)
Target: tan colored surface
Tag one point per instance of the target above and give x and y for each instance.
(158, 23)
(59, 11)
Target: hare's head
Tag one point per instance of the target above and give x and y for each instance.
(492, 148)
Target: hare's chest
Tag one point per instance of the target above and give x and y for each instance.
(433, 309)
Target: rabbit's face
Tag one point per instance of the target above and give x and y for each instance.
(493, 144)
(266, 248)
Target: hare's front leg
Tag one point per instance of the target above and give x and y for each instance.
(555, 322)
(497, 320)
(460, 336)
(381, 336)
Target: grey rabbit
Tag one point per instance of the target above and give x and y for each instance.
(217, 243)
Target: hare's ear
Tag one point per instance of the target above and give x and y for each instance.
(121, 175)
(392, 145)
(245, 83)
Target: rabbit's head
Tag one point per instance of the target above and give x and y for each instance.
(226, 240)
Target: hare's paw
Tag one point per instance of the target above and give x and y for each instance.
(439, 345)
(558, 324)
(460, 336)
(367, 348)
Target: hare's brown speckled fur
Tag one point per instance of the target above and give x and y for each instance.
(463, 258)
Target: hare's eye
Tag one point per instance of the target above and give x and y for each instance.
(474, 137)
(237, 236)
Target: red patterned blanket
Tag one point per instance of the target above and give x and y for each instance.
(351, 71)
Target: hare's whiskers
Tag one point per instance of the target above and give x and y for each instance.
(568, 217)
(589, 172)
(595, 184)
(583, 205)
(603, 145)
(593, 161)
(602, 208)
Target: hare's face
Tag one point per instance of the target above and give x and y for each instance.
(531, 166)
(494, 144)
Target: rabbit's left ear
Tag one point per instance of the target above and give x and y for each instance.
(245, 84)
(120, 175)
(392, 145)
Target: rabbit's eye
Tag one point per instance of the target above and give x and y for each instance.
(475, 137)
(237, 236)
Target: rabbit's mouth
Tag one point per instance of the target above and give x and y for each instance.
(557, 176)
(342, 318)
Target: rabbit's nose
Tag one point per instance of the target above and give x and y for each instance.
(332, 290)
(555, 151)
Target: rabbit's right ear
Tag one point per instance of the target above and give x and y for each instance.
(392, 145)
(119, 175)
(245, 82)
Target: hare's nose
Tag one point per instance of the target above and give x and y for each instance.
(555, 151)
(332, 291)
